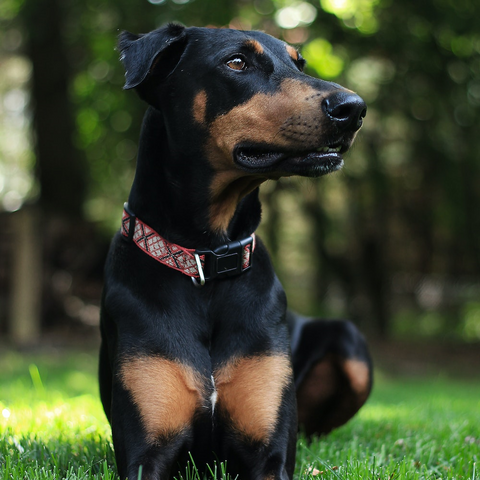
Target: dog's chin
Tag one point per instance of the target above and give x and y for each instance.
(276, 164)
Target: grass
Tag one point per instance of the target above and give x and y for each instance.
(52, 426)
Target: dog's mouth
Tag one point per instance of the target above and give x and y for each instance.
(311, 163)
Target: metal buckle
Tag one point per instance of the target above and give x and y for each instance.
(200, 272)
(224, 261)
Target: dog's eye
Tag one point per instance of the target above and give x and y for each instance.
(237, 63)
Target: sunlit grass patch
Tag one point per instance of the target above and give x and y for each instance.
(410, 429)
(51, 422)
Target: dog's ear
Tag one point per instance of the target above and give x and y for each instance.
(156, 53)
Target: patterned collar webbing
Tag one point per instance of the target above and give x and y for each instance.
(170, 254)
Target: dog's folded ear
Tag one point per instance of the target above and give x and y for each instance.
(154, 53)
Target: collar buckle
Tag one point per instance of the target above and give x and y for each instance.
(227, 260)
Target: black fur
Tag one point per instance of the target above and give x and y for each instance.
(152, 312)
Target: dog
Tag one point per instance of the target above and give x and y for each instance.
(211, 367)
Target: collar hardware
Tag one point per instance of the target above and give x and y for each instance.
(232, 258)
(201, 275)
(229, 259)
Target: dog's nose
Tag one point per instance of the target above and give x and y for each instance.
(346, 109)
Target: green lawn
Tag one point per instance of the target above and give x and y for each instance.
(52, 426)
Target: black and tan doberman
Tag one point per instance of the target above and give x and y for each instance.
(212, 367)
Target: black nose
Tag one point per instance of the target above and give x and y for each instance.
(347, 110)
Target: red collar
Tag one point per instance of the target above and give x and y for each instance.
(229, 259)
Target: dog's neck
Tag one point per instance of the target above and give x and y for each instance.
(171, 193)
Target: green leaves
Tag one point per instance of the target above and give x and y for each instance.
(358, 14)
(322, 59)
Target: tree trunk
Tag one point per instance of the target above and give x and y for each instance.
(60, 166)
(26, 279)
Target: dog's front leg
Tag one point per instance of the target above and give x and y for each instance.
(153, 407)
(257, 412)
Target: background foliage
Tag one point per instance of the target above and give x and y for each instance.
(392, 241)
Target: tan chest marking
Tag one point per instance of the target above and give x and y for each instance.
(255, 46)
(166, 393)
(250, 390)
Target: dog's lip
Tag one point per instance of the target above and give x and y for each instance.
(313, 162)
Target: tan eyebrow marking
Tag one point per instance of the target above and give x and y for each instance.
(255, 46)
(293, 52)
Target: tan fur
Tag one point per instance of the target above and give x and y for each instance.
(358, 376)
(255, 46)
(292, 52)
(250, 390)
(289, 119)
(346, 382)
(320, 384)
(200, 107)
(166, 393)
(225, 200)
(264, 118)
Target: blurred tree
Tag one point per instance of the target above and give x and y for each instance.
(60, 166)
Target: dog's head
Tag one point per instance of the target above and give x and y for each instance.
(257, 114)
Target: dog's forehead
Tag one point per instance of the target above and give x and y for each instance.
(278, 47)
(223, 39)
